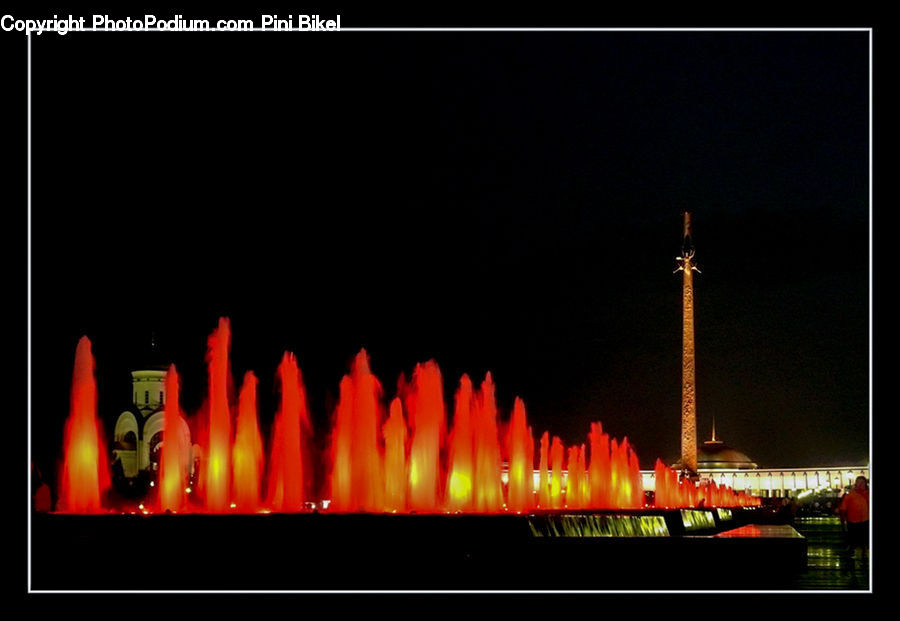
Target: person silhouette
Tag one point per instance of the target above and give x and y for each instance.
(854, 513)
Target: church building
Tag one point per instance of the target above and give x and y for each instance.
(138, 433)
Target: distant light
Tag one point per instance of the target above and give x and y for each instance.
(141, 506)
(187, 490)
(233, 505)
(152, 484)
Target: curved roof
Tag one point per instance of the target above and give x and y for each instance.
(717, 454)
(714, 454)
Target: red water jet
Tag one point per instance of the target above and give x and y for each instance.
(425, 405)
(247, 454)
(557, 451)
(520, 448)
(636, 481)
(585, 489)
(625, 480)
(573, 480)
(461, 458)
(599, 471)
(544, 476)
(395, 475)
(175, 453)
(356, 476)
(286, 466)
(665, 482)
(217, 470)
(675, 492)
(488, 463)
(85, 474)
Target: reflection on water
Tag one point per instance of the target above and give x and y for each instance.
(828, 566)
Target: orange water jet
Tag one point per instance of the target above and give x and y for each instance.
(557, 451)
(356, 476)
(544, 476)
(286, 466)
(520, 448)
(217, 469)
(674, 492)
(175, 452)
(573, 480)
(599, 471)
(395, 475)
(247, 453)
(585, 490)
(425, 404)
(85, 474)
(488, 463)
(461, 458)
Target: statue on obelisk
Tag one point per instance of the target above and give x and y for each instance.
(688, 461)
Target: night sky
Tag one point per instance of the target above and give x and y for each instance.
(496, 201)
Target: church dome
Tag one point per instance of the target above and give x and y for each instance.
(716, 454)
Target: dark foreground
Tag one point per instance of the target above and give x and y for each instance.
(560, 551)
(829, 567)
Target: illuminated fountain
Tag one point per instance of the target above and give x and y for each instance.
(395, 473)
(520, 447)
(461, 465)
(573, 485)
(556, 467)
(217, 481)
(357, 482)
(488, 485)
(403, 457)
(287, 470)
(247, 454)
(85, 472)
(673, 491)
(544, 480)
(425, 404)
(405, 462)
(174, 460)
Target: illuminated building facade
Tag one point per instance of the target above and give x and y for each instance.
(138, 432)
(727, 466)
(776, 482)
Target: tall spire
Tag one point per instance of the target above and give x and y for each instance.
(688, 387)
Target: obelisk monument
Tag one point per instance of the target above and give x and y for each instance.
(688, 387)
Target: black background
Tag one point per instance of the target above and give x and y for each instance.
(496, 201)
